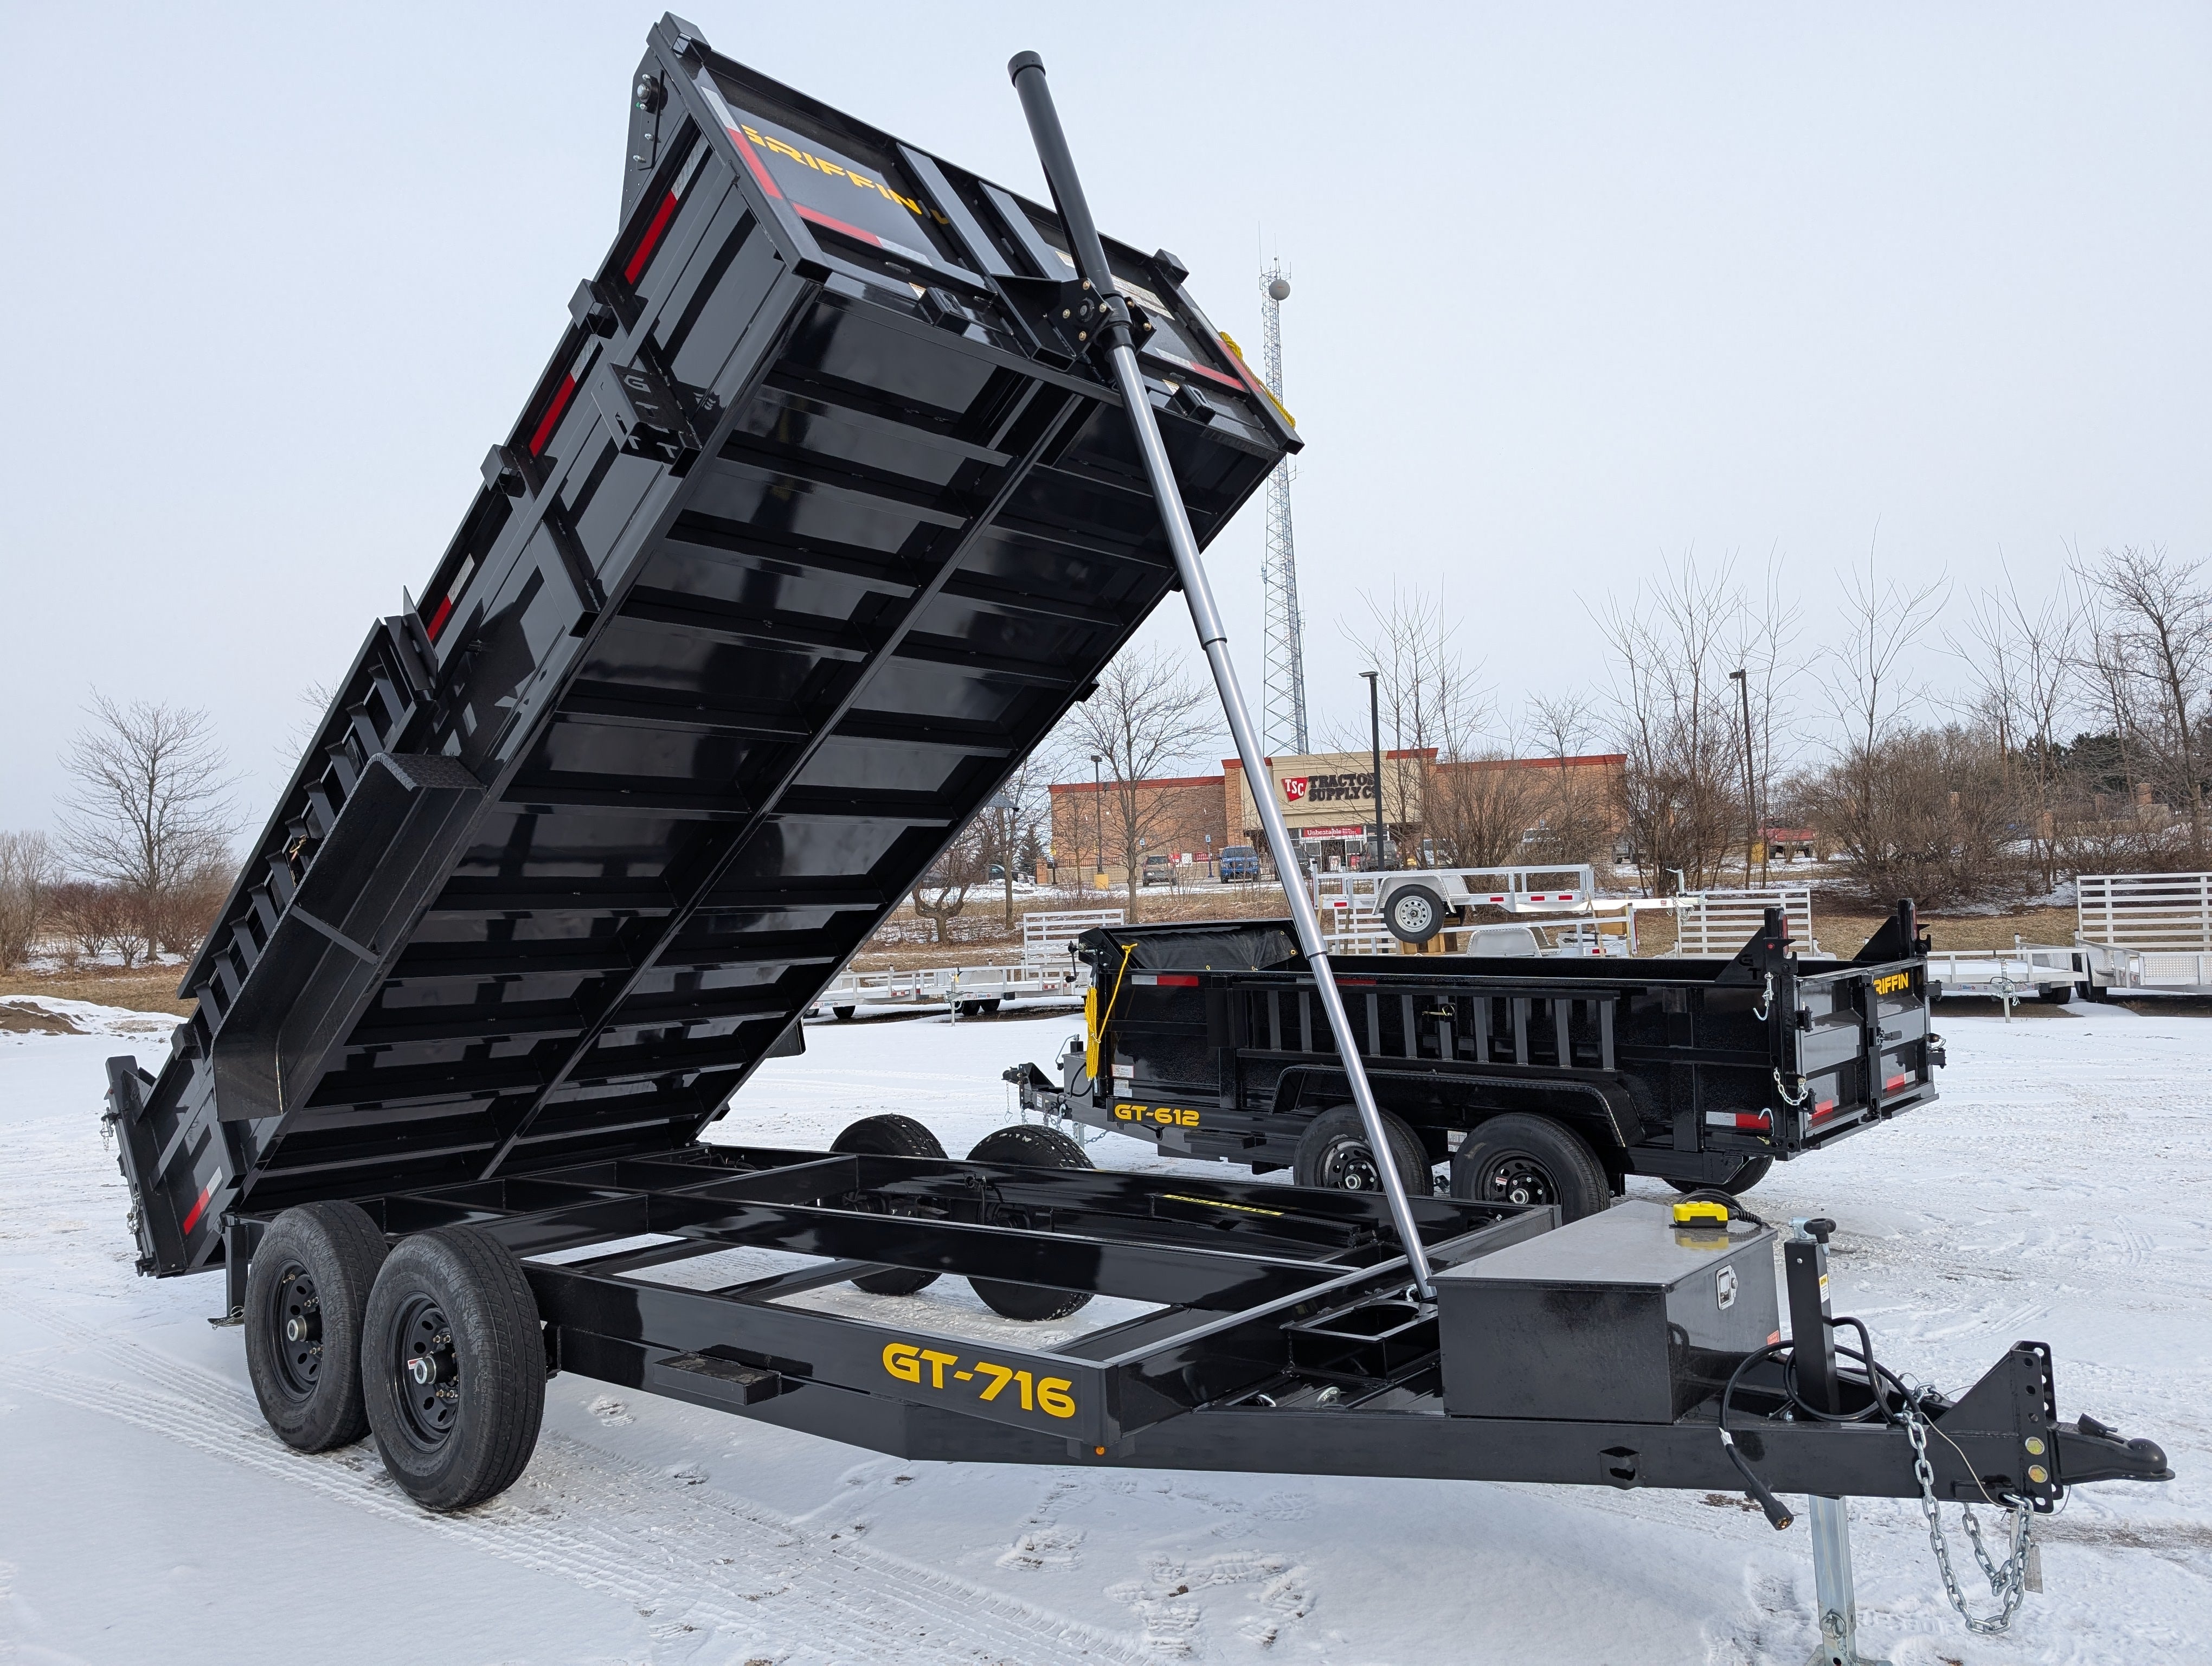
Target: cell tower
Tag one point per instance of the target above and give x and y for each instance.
(1283, 722)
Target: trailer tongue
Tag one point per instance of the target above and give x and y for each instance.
(850, 474)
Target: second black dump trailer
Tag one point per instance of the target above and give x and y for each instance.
(1532, 1080)
(826, 507)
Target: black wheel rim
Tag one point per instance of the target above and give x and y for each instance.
(1349, 1167)
(296, 1319)
(1516, 1177)
(425, 1373)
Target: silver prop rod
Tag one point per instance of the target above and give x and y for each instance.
(1027, 70)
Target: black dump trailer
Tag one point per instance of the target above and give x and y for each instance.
(1535, 1081)
(823, 512)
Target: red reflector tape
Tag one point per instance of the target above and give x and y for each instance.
(1356, 982)
(753, 161)
(200, 1208)
(839, 227)
(651, 239)
(544, 432)
(1753, 1122)
(1179, 980)
(1893, 1085)
(438, 619)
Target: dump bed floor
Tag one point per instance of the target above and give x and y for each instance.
(817, 523)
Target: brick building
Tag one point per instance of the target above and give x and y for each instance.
(1182, 816)
(1327, 801)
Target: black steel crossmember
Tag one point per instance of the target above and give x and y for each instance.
(1053, 423)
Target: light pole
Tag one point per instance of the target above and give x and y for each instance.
(1742, 682)
(1098, 797)
(1375, 744)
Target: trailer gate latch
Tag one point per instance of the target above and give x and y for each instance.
(649, 416)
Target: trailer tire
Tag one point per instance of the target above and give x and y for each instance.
(1334, 1154)
(2055, 994)
(891, 1136)
(1749, 1173)
(1415, 914)
(307, 1293)
(1521, 1157)
(454, 1366)
(1035, 1147)
(843, 1014)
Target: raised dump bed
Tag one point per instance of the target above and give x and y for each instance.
(821, 515)
(817, 521)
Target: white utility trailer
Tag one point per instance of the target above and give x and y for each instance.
(2045, 971)
(1045, 971)
(1558, 907)
(2148, 933)
(1714, 924)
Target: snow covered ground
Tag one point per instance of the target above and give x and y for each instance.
(2060, 1191)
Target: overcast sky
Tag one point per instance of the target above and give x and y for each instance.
(1576, 288)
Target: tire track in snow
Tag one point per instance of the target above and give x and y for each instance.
(583, 1514)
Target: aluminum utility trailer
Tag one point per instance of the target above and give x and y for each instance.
(964, 991)
(1416, 903)
(2043, 971)
(828, 505)
(2148, 933)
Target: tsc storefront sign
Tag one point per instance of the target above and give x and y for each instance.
(1345, 787)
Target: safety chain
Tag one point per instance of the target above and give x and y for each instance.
(2009, 1582)
(1804, 1090)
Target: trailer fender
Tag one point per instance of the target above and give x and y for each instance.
(1604, 1112)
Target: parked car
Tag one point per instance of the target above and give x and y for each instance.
(1239, 861)
(1159, 870)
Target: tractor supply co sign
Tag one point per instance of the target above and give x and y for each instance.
(1325, 792)
(1357, 830)
(1351, 787)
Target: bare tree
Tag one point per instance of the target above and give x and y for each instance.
(28, 874)
(1766, 635)
(2025, 665)
(1674, 716)
(149, 812)
(942, 890)
(1009, 821)
(93, 917)
(1928, 814)
(1574, 821)
(1867, 680)
(1480, 806)
(2154, 646)
(1429, 702)
(1144, 717)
